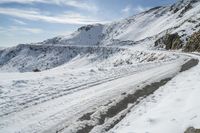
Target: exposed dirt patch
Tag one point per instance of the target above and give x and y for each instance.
(169, 41)
(134, 98)
(193, 44)
(192, 130)
(191, 63)
(86, 129)
(122, 105)
(86, 116)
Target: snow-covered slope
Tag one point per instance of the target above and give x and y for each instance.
(55, 99)
(182, 17)
(139, 31)
(92, 79)
(29, 57)
(89, 35)
(172, 109)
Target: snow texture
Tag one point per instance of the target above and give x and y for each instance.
(82, 75)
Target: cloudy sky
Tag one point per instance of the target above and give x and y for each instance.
(25, 21)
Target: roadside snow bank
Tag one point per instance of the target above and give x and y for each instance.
(172, 108)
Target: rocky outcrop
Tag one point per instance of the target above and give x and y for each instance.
(173, 41)
(192, 130)
(169, 41)
(193, 43)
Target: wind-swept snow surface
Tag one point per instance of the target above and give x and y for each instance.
(139, 32)
(171, 109)
(182, 17)
(82, 81)
(55, 99)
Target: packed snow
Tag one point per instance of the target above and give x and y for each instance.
(36, 102)
(70, 83)
(171, 109)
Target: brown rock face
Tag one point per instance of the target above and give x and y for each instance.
(170, 41)
(192, 130)
(193, 43)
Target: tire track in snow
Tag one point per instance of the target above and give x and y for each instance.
(67, 91)
(119, 110)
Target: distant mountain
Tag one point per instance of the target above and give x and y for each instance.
(182, 17)
(167, 27)
(2, 48)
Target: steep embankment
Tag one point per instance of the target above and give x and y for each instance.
(172, 108)
(193, 43)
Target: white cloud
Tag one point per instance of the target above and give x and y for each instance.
(18, 29)
(25, 29)
(140, 9)
(73, 3)
(128, 10)
(20, 1)
(36, 15)
(79, 4)
(19, 22)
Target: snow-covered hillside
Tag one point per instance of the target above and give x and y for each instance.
(139, 31)
(182, 17)
(29, 57)
(105, 78)
(173, 108)
(57, 98)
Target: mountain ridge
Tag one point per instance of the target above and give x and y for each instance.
(140, 31)
(111, 30)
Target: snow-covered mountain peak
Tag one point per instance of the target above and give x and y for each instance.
(87, 28)
(140, 31)
(149, 24)
(106, 78)
(187, 4)
(188, 1)
(85, 35)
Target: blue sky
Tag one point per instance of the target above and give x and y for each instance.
(25, 21)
